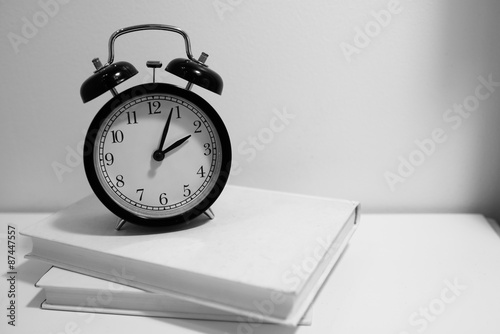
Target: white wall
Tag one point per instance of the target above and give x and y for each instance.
(356, 106)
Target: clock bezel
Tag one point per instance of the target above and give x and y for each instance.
(136, 92)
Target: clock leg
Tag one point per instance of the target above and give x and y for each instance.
(209, 213)
(120, 224)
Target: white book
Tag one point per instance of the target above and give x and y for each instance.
(65, 290)
(265, 254)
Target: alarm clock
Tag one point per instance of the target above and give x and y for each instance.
(156, 154)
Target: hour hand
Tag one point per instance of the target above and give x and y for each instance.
(176, 144)
(159, 155)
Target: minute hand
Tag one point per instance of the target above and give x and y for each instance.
(176, 144)
(165, 130)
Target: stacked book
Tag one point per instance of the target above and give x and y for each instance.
(264, 257)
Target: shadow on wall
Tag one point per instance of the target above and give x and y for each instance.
(471, 52)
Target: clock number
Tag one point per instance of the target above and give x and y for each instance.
(197, 123)
(187, 191)
(208, 150)
(178, 111)
(131, 117)
(119, 181)
(140, 191)
(163, 199)
(117, 136)
(154, 105)
(201, 172)
(109, 159)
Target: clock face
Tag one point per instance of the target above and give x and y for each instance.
(158, 156)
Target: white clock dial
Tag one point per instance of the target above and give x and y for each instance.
(126, 145)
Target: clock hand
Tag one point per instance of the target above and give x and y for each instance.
(176, 144)
(165, 130)
(158, 155)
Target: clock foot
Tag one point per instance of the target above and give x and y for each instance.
(120, 224)
(209, 213)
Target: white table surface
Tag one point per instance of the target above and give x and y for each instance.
(434, 273)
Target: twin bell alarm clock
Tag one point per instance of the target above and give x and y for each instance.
(156, 154)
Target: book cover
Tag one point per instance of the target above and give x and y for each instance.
(69, 291)
(265, 254)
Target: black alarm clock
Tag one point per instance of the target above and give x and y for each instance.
(156, 154)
